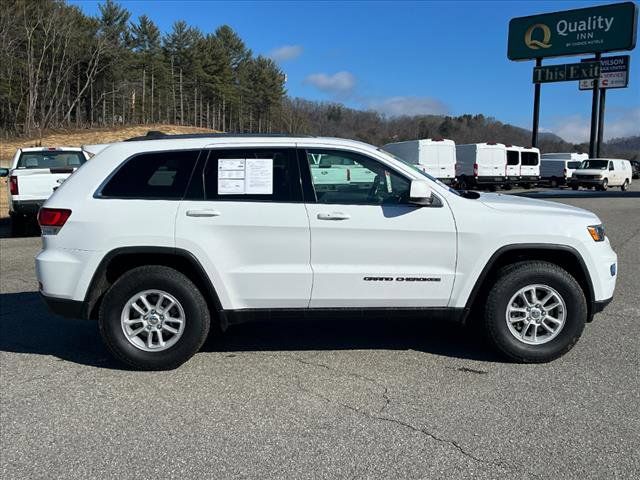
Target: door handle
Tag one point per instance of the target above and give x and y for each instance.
(203, 213)
(334, 216)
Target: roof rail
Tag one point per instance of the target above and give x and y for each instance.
(156, 135)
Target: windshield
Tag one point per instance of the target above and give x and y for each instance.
(421, 172)
(573, 165)
(595, 164)
(50, 159)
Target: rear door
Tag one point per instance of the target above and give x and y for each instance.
(513, 163)
(491, 162)
(446, 161)
(530, 164)
(245, 221)
(429, 161)
(371, 248)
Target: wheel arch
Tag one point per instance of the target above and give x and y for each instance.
(121, 260)
(564, 256)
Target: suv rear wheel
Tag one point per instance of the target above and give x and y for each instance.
(535, 312)
(154, 318)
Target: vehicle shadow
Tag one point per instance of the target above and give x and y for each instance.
(26, 326)
(5, 230)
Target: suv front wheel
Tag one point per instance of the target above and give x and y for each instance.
(535, 312)
(154, 318)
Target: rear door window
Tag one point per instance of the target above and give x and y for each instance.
(254, 174)
(159, 175)
(513, 157)
(529, 159)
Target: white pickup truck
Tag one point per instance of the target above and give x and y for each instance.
(34, 175)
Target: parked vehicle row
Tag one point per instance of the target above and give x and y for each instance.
(495, 165)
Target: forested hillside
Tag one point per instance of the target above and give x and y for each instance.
(62, 69)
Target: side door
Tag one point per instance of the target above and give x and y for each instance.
(245, 221)
(370, 247)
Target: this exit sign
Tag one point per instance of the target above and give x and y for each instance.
(567, 72)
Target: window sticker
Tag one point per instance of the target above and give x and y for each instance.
(259, 176)
(245, 176)
(231, 176)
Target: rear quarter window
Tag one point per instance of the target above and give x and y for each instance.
(160, 175)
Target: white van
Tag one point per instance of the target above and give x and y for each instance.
(556, 168)
(434, 156)
(481, 165)
(602, 173)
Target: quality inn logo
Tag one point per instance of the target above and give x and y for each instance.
(534, 44)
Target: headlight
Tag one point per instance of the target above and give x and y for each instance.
(596, 232)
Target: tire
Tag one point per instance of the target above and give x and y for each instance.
(519, 276)
(575, 187)
(605, 185)
(462, 184)
(526, 186)
(625, 186)
(554, 182)
(190, 305)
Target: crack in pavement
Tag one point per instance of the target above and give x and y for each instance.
(422, 431)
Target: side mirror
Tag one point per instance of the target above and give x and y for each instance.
(420, 193)
(4, 172)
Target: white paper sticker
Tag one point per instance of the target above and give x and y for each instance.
(237, 174)
(230, 187)
(231, 164)
(259, 176)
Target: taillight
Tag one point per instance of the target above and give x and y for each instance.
(475, 169)
(13, 185)
(53, 217)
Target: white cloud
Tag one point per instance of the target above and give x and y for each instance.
(397, 106)
(618, 123)
(339, 83)
(286, 52)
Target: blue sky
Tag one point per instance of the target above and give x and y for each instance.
(406, 57)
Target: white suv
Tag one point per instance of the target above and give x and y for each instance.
(158, 239)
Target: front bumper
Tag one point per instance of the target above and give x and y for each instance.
(586, 182)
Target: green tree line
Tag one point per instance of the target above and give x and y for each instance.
(62, 68)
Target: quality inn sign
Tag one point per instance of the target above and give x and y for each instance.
(574, 32)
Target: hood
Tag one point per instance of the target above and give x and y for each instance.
(523, 205)
(589, 171)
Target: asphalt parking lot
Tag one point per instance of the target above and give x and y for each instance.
(383, 399)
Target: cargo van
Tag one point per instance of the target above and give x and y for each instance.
(481, 165)
(556, 168)
(602, 173)
(436, 156)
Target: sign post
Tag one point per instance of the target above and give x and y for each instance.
(593, 30)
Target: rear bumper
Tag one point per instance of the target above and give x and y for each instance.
(529, 179)
(26, 207)
(489, 180)
(64, 307)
